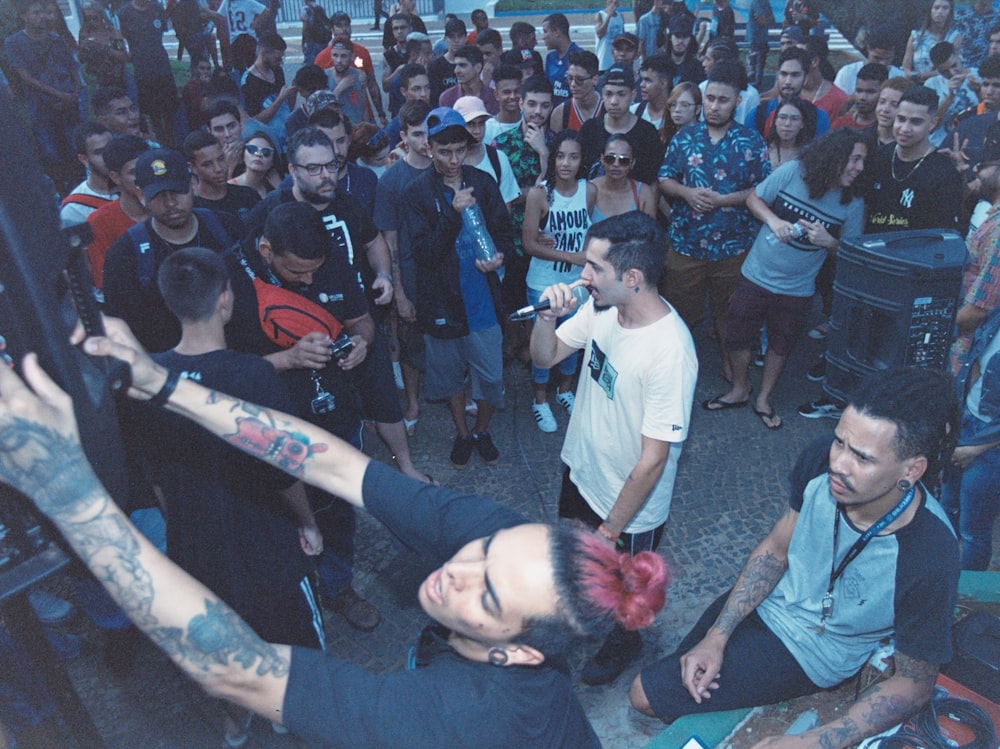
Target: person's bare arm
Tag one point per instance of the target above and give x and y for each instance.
(548, 349)
(969, 318)
(640, 482)
(886, 704)
(380, 260)
(42, 458)
(297, 502)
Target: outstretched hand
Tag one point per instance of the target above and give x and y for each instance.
(147, 376)
(40, 451)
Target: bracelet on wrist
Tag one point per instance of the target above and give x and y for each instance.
(602, 529)
(383, 274)
(169, 386)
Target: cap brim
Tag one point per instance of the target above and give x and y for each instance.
(151, 191)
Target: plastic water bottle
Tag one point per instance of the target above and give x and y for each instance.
(797, 232)
(476, 234)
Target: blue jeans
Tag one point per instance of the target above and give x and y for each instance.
(971, 497)
(568, 365)
(336, 521)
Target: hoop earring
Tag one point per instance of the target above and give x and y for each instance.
(903, 485)
(497, 656)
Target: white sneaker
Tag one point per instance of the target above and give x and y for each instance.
(567, 400)
(543, 417)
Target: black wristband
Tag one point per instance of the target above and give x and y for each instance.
(161, 398)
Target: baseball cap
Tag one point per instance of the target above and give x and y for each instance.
(681, 24)
(619, 75)
(626, 39)
(320, 100)
(794, 33)
(471, 108)
(162, 169)
(443, 118)
(342, 42)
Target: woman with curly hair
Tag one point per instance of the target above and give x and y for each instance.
(806, 206)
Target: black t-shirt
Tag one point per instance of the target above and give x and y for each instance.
(140, 304)
(442, 76)
(256, 91)
(335, 288)
(350, 227)
(921, 194)
(226, 523)
(447, 700)
(647, 148)
(416, 24)
(237, 202)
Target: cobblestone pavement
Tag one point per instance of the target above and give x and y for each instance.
(730, 488)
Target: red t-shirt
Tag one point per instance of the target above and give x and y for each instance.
(108, 223)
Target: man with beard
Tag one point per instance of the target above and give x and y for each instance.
(707, 175)
(348, 82)
(130, 290)
(633, 401)
(266, 97)
(792, 68)
(863, 553)
(861, 116)
(683, 49)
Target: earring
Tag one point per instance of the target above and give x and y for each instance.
(497, 656)
(903, 485)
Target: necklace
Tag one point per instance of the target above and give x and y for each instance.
(818, 91)
(916, 166)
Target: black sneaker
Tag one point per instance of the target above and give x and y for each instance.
(817, 372)
(617, 652)
(486, 449)
(824, 408)
(461, 451)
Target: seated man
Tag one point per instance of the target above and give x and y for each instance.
(795, 622)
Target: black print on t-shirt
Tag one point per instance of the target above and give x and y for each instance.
(601, 370)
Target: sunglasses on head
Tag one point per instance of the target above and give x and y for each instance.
(264, 151)
(614, 158)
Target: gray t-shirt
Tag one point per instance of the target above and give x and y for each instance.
(791, 268)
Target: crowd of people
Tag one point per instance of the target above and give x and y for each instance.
(346, 247)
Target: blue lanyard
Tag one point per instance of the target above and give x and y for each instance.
(836, 570)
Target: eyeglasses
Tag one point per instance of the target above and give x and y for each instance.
(682, 105)
(578, 78)
(614, 158)
(263, 151)
(314, 170)
(789, 118)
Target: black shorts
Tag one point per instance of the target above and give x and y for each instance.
(750, 307)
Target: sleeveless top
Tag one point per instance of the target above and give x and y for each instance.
(598, 216)
(567, 222)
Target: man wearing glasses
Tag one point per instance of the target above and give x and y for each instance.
(585, 101)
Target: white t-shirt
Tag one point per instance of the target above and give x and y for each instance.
(634, 383)
(76, 213)
(509, 188)
(847, 76)
(241, 15)
(494, 127)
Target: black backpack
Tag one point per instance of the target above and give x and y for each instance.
(318, 25)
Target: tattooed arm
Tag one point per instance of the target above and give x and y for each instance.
(41, 456)
(886, 704)
(300, 449)
(767, 563)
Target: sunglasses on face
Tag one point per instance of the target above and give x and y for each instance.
(262, 151)
(610, 159)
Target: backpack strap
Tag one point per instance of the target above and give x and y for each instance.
(211, 222)
(491, 152)
(565, 114)
(145, 262)
(91, 201)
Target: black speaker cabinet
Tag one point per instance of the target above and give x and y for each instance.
(894, 304)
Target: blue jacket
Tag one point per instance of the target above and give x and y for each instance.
(990, 399)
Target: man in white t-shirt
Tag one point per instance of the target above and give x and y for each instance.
(633, 401)
(484, 157)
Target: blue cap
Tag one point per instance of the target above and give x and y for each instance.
(442, 118)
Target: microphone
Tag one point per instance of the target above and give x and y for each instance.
(580, 293)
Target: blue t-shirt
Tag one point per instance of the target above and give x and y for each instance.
(555, 71)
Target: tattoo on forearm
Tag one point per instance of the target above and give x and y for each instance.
(842, 735)
(48, 466)
(915, 669)
(885, 710)
(757, 580)
(217, 638)
(258, 434)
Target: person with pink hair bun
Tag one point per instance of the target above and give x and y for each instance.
(507, 596)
